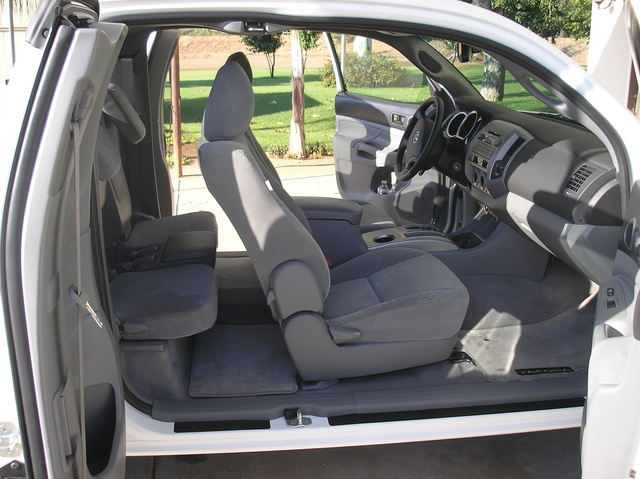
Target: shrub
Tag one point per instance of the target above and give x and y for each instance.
(169, 160)
(279, 150)
(186, 138)
(314, 150)
(317, 148)
(374, 71)
(327, 76)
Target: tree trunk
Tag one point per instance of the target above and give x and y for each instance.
(483, 3)
(493, 77)
(271, 61)
(297, 144)
(176, 117)
(362, 46)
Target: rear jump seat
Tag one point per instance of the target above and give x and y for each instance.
(168, 289)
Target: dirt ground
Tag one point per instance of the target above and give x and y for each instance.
(210, 52)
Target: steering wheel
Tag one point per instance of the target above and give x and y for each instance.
(422, 141)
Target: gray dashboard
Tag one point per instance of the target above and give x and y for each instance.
(573, 178)
(551, 180)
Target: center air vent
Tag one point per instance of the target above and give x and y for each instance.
(499, 166)
(514, 147)
(579, 177)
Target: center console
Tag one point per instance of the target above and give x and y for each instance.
(412, 236)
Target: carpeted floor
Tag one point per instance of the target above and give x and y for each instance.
(511, 323)
(240, 296)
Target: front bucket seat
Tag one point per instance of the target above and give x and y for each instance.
(385, 310)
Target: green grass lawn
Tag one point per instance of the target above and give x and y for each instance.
(273, 107)
(273, 104)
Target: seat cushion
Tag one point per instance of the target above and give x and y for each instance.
(395, 295)
(157, 231)
(165, 303)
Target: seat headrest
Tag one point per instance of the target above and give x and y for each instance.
(242, 60)
(122, 113)
(230, 106)
(109, 162)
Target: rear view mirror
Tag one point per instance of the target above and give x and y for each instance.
(465, 52)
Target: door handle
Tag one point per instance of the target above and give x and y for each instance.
(367, 150)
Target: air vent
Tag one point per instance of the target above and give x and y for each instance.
(514, 147)
(579, 177)
(499, 166)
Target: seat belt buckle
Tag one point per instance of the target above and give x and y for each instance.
(82, 300)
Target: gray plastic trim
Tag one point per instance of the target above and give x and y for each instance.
(325, 404)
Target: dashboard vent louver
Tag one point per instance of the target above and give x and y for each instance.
(578, 178)
(500, 166)
(514, 147)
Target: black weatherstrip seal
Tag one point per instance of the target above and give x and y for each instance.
(455, 412)
(206, 426)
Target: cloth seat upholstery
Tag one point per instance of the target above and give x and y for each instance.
(119, 219)
(385, 310)
(165, 303)
(373, 218)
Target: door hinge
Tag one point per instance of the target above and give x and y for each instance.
(13, 470)
(80, 13)
(10, 440)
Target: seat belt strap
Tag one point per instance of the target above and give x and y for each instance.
(79, 296)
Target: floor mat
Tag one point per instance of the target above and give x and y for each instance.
(557, 347)
(242, 360)
(498, 301)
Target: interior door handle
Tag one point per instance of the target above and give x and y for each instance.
(366, 150)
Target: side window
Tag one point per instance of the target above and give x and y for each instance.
(375, 69)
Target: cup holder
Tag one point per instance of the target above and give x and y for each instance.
(384, 238)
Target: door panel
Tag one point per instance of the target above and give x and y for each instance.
(612, 418)
(368, 132)
(73, 360)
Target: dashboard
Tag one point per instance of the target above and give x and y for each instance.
(548, 178)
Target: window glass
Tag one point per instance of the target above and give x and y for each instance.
(515, 95)
(375, 69)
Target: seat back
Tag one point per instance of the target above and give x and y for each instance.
(289, 263)
(120, 118)
(249, 138)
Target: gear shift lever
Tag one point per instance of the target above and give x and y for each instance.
(438, 205)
